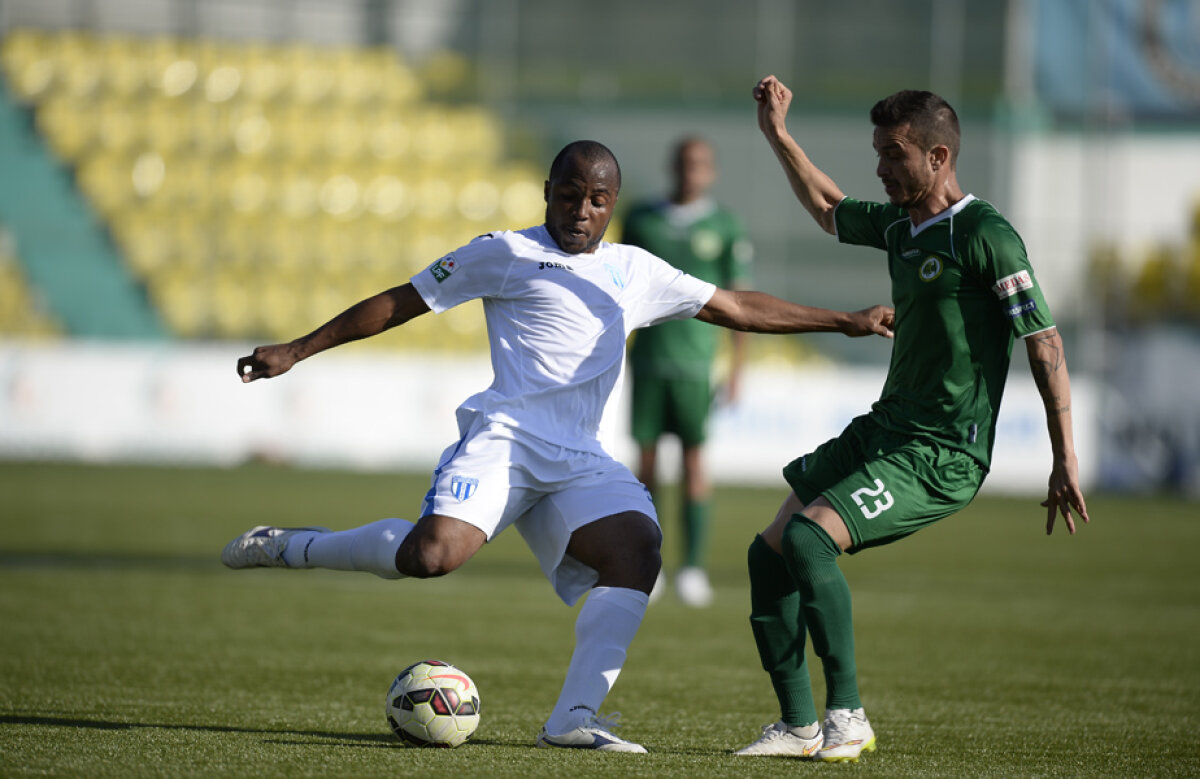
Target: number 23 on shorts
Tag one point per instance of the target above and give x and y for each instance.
(873, 501)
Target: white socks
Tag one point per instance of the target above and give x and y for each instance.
(606, 625)
(370, 548)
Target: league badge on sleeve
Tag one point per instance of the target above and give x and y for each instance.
(442, 269)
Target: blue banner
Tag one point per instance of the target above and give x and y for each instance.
(1135, 59)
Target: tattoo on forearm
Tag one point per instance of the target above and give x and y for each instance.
(1049, 361)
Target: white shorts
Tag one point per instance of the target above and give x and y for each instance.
(496, 476)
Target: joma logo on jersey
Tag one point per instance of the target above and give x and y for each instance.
(544, 265)
(1011, 285)
(463, 487)
(931, 268)
(442, 269)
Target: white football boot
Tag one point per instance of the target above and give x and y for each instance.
(847, 735)
(779, 740)
(660, 586)
(263, 546)
(691, 583)
(593, 733)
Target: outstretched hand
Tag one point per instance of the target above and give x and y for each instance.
(876, 320)
(267, 362)
(1065, 496)
(773, 100)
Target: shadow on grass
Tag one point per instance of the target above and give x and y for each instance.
(384, 740)
(524, 568)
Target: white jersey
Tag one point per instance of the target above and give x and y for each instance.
(557, 325)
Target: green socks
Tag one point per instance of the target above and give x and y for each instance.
(695, 532)
(779, 632)
(811, 558)
(792, 594)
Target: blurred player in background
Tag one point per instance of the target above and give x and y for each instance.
(559, 304)
(963, 290)
(671, 364)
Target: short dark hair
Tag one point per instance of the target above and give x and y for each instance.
(930, 118)
(589, 151)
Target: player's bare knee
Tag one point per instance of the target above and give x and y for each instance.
(635, 561)
(426, 559)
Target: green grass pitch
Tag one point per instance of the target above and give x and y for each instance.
(984, 647)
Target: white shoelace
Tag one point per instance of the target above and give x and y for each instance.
(838, 724)
(604, 721)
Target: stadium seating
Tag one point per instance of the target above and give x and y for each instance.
(21, 312)
(257, 189)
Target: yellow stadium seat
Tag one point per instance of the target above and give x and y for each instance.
(391, 137)
(173, 69)
(107, 181)
(313, 76)
(522, 198)
(76, 59)
(166, 126)
(119, 124)
(125, 64)
(478, 198)
(235, 312)
(399, 84)
(220, 165)
(346, 137)
(388, 197)
(265, 76)
(67, 127)
(184, 303)
(477, 134)
(434, 196)
(144, 240)
(29, 64)
(21, 310)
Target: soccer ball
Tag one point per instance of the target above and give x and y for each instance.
(433, 704)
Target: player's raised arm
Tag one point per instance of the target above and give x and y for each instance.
(1049, 367)
(758, 312)
(362, 320)
(816, 191)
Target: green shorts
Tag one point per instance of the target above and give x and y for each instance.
(885, 485)
(661, 406)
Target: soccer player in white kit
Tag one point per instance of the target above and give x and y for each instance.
(559, 304)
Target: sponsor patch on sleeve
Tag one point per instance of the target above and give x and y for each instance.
(1011, 285)
(1021, 309)
(442, 269)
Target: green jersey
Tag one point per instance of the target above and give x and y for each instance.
(703, 240)
(963, 288)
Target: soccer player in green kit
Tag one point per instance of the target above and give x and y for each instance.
(671, 363)
(963, 290)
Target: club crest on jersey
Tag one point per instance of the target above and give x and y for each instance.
(706, 244)
(442, 269)
(463, 487)
(616, 276)
(1011, 285)
(931, 268)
